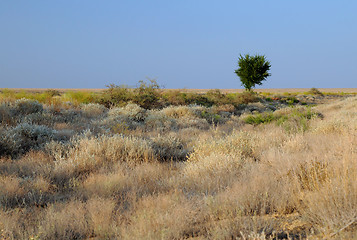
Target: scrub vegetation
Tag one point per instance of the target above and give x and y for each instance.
(150, 164)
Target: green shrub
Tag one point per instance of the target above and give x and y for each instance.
(260, 118)
(52, 92)
(175, 97)
(292, 119)
(198, 99)
(79, 97)
(245, 98)
(315, 91)
(147, 95)
(26, 106)
(295, 118)
(8, 92)
(116, 96)
(211, 118)
(292, 100)
(217, 97)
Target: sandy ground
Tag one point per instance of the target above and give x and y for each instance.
(271, 90)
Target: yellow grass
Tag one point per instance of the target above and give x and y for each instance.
(237, 182)
(238, 90)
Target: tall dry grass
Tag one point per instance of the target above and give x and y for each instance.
(182, 181)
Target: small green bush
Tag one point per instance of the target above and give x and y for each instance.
(292, 119)
(79, 97)
(260, 118)
(315, 91)
(292, 100)
(198, 99)
(52, 92)
(27, 106)
(245, 98)
(217, 97)
(211, 118)
(175, 98)
(116, 96)
(147, 95)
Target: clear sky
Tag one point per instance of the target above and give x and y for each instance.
(181, 43)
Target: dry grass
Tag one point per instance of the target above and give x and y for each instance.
(164, 178)
(274, 90)
(271, 90)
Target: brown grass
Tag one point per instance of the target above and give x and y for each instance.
(231, 181)
(190, 90)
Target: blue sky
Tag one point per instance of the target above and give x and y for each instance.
(181, 43)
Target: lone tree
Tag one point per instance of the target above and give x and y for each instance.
(252, 70)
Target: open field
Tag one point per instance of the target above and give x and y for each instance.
(266, 90)
(253, 168)
(278, 90)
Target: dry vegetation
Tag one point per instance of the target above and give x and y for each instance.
(84, 171)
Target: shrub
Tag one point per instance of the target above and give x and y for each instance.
(292, 118)
(105, 184)
(159, 121)
(152, 218)
(116, 96)
(65, 221)
(175, 97)
(239, 144)
(178, 112)
(291, 100)
(198, 99)
(79, 97)
(131, 112)
(134, 112)
(217, 97)
(42, 118)
(93, 109)
(121, 119)
(147, 95)
(226, 108)
(211, 118)
(295, 118)
(52, 92)
(210, 173)
(5, 115)
(24, 137)
(245, 98)
(10, 191)
(89, 152)
(167, 148)
(257, 119)
(315, 91)
(26, 106)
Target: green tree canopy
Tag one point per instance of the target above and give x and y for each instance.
(252, 70)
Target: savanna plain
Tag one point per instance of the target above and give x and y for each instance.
(147, 163)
